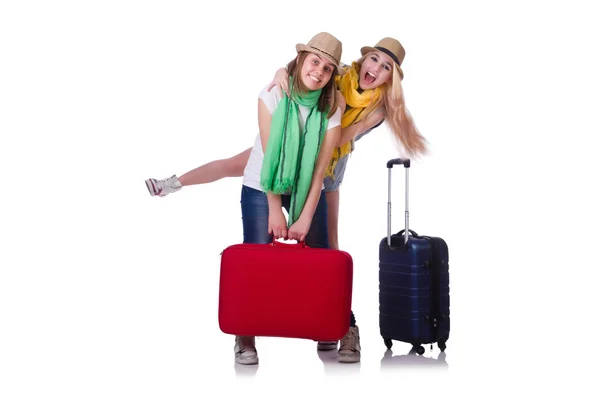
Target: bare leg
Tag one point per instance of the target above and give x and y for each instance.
(333, 206)
(217, 169)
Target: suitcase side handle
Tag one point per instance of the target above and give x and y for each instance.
(412, 233)
(390, 165)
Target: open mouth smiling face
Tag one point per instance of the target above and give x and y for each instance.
(375, 70)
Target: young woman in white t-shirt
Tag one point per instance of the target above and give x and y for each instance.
(289, 158)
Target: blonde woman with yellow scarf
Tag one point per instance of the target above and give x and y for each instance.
(371, 92)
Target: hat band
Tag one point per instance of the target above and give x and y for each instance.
(326, 53)
(391, 54)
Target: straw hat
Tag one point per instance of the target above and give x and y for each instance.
(391, 47)
(325, 45)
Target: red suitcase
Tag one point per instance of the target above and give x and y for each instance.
(285, 290)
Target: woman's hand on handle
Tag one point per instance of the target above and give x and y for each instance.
(299, 229)
(277, 224)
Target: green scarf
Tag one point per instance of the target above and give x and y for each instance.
(291, 154)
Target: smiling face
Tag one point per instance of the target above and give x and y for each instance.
(316, 71)
(376, 70)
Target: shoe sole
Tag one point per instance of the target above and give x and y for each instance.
(349, 359)
(150, 187)
(252, 361)
(326, 347)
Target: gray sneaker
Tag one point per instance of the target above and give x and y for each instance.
(245, 350)
(162, 187)
(322, 346)
(350, 347)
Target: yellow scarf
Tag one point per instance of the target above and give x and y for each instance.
(358, 102)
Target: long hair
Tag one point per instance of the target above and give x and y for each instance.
(397, 115)
(328, 102)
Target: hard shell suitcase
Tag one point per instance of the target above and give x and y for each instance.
(414, 283)
(285, 290)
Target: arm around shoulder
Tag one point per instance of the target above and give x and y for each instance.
(341, 101)
(352, 131)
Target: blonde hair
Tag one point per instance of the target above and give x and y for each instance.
(397, 115)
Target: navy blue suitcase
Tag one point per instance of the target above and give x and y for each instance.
(414, 283)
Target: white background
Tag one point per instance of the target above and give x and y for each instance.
(105, 290)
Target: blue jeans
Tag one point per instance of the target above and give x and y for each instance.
(255, 220)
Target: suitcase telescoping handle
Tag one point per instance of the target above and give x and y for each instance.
(390, 165)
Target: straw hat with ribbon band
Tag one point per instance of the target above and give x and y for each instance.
(325, 45)
(361, 102)
(391, 47)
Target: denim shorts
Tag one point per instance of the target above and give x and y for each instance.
(255, 218)
(333, 184)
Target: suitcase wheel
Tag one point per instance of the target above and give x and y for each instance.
(442, 345)
(388, 343)
(418, 349)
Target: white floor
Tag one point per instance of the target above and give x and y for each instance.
(388, 362)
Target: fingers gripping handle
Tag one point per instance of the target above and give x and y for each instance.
(297, 244)
(390, 165)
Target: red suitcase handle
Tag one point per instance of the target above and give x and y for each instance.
(301, 244)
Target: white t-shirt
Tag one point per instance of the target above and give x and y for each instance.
(271, 99)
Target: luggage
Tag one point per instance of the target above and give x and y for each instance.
(414, 283)
(285, 290)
